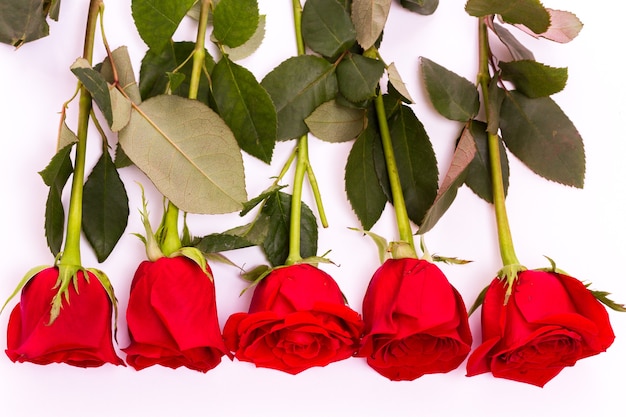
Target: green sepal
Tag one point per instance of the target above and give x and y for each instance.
(602, 296)
(27, 277)
(478, 302)
(509, 274)
(108, 287)
(450, 260)
(196, 256)
(381, 243)
(68, 274)
(153, 249)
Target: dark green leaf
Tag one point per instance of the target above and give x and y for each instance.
(157, 20)
(235, 21)
(538, 132)
(424, 7)
(121, 159)
(23, 21)
(327, 28)
(529, 13)
(245, 50)
(153, 79)
(246, 108)
(417, 165)
(517, 50)
(479, 171)
(496, 96)
(453, 96)
(358, 77)
(252, 203)
(220, 242)
(455, 176)
(533, 78)
(362, 186)
(105, 207)
(97, 86)
(276, 244)
(297, 87)
(55, 176)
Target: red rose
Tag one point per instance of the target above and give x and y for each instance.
(80, 335)
(550, 321)
(415, 321)
(297, 319)
(172, 316)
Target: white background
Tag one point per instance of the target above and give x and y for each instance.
(582, 230)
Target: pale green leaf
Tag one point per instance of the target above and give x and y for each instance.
(125, 73)
(369, 18)
(235, 21)
(396, 81)
(188, 152)
(332, 122)
(245, 50)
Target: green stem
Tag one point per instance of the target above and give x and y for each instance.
(505, 239)
(71, 249)
(199, 52)
(171, 240)
(402, 216)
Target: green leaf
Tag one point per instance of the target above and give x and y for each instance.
(105, 207)
(221, 242)
(396, 82)
(529, 13)
(297, 87)
(358, 77)
(327, 28)
(369, 18)
(245, 50)
(538, 132)
(157, 20)
(276, 244)
(153, 79)
(125, 73)
(455, 176)
(423, 7)
(246, 108)
(478, 177)
(332, 122)
(188, 152)
(517, 49)
(534, 79)
(55, 176)
(97, 86)
(362, 186)
(417, 165)
(235, 21)
(23, 21)
(253, 202)
(453, 96)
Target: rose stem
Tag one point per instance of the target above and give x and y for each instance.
(511, 265)
(302, 166)
(71, 250)
(171, 241)
(402, 217)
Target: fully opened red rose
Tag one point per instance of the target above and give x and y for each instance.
(79, 336)
(415, 321)
(172, 316)
(297, 319)
(551, 321)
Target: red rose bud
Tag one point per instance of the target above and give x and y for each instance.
(551, 320)
(297, 319)
(79, 336)
(415, 321)
(172, 316)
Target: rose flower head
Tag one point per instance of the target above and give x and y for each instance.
(415, 321)
(63, 320)
(297, 319)
(172, 316)
(550, 321)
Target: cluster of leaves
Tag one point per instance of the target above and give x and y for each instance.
(529, 123)
(330, 92)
